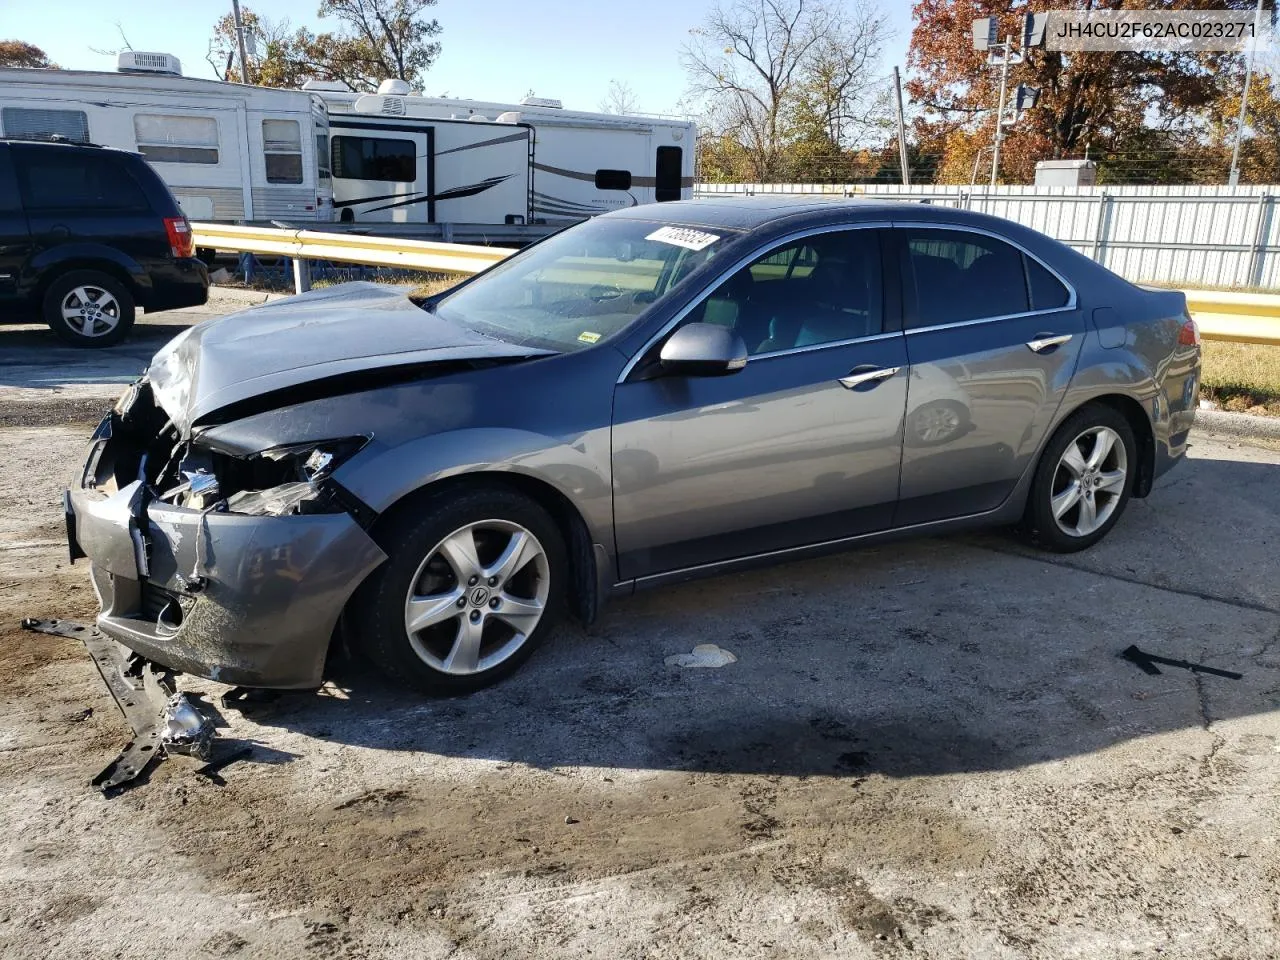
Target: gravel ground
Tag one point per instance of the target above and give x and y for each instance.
(925, 749)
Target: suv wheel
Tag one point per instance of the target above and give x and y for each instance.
(473, 583)
(88, 308)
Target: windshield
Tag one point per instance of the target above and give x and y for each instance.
(583, 285)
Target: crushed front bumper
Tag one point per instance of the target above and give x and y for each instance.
(245, 600)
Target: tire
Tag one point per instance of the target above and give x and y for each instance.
(1088, 497)
(69, 305)
(436, 659)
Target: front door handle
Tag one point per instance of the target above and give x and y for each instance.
(1046, 342)
(860, 375)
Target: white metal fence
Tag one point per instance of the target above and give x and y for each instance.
(1217, 236)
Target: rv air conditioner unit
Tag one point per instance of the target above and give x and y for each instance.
(542, 102)
(394, 88)
(135, 61)
(327, 86)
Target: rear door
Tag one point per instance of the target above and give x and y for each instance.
(15, 236)
(992, 336)
(87, 197)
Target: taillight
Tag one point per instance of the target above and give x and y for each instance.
(1189, 335)
(181, 241)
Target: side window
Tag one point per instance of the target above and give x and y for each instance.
(54, 179)
(372, 158)
(666, 184)
(1047, 290)
(173, 139)
(823, 289)
(25, 124)
(282, 148)
(956, 276)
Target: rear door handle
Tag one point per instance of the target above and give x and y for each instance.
(860, 375)
(1046, 342)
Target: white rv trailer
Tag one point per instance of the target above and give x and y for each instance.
(572, 164)
(227, 151)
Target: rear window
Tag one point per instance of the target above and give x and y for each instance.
(79, 180)
(960, 276)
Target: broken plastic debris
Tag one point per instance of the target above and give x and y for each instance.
(703, 655)
(275, 502)
(186, 730)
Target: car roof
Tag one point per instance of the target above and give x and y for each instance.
(67, 144)
(799, 211)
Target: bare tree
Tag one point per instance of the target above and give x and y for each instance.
(761, 67)
(114, 51)
(619, 98)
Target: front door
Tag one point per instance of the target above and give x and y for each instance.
(992, 338)
(800, 446)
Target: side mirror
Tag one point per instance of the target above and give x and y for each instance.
(703, 350)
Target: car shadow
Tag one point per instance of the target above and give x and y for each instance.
(32, 356)
(925, 657)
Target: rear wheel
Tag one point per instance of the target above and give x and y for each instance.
(473, 583)
(88, 308)
(1083, 481)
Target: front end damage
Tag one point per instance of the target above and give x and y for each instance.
(233, 568)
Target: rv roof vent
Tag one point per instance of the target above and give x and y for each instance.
(395, 88)
(328, 86)
(393, 106)
(542, 102)
(135, 61)
(511, 116)
(478, 116)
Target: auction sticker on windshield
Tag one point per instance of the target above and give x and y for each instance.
(684, 237)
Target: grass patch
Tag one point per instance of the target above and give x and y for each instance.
(1242, 377)
(1170, 285)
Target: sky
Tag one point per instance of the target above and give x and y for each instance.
(492, 49)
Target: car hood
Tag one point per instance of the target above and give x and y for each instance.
(325, 337)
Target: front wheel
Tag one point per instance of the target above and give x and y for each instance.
(473, 583)
(1083, 481)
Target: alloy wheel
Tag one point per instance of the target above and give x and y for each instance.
(1089, 481)
(477, 597)
(90, 311)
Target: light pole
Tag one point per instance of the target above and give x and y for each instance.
(1234, 177)
(244, 57)
(1006, 56)
(985, 36)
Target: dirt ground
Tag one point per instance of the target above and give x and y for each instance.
(925, 749)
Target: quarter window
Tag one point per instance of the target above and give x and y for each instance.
(957, 276)
(174, 139)
(372, 158)
(53, 180)
(25, 124)
(1047, 291)
(823, 289)
(666, 184)
(282, 148)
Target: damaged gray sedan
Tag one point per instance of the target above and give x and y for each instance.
(659, 393)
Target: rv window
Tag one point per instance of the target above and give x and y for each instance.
(173, 139)
(322, 155)
(75, 182)
(371, 158)
(613, 179)
(282, 147)
(666, 185)
(23, 124)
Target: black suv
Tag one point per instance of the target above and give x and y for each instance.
(87, 234)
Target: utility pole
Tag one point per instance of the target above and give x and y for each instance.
(1234, 177)
(1006, 56)
(244, 57)
(902, 131)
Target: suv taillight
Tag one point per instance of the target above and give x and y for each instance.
(1189, 335)
(181, 242)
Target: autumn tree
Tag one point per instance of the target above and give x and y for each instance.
(377, 40)
(17, 53)
(784, 79)
(1152, 100)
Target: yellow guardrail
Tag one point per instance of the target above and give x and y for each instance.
(1236, 317)
(349, 248)
(1220, 314)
